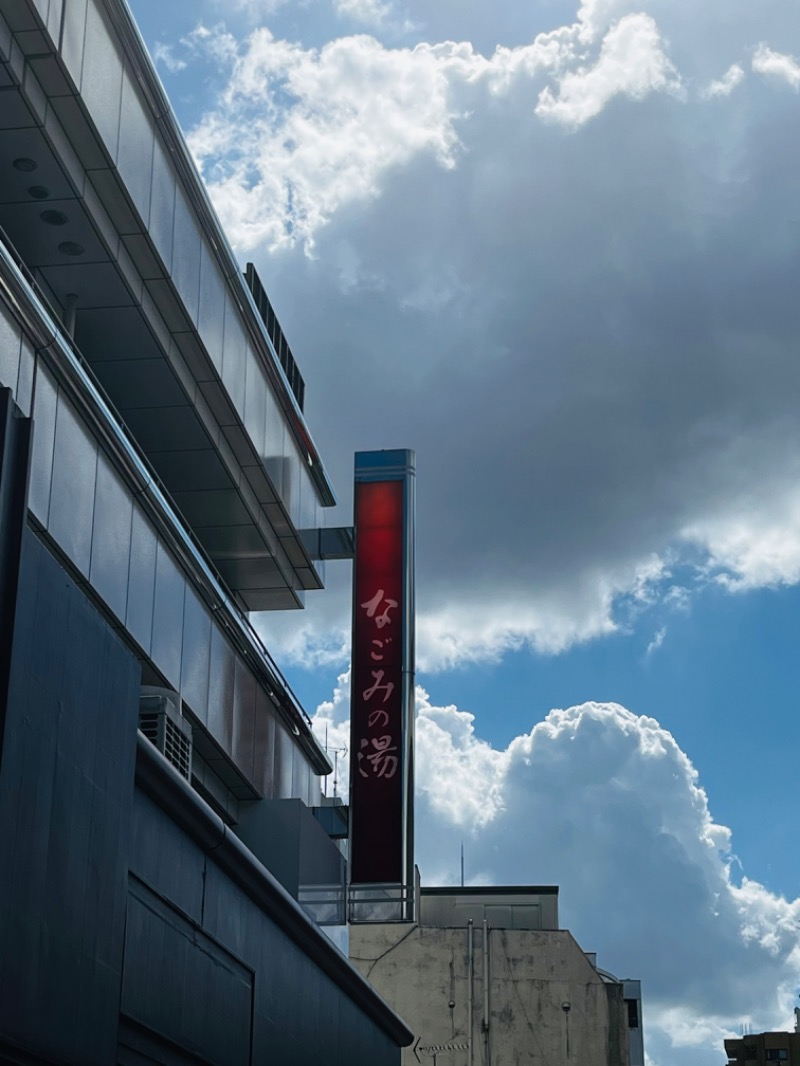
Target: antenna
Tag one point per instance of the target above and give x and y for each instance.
(462, 863)
(335, 752)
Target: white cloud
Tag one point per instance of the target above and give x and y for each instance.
(756, 545)
(777, 65)
(164, 56)
(725, 85)
(374, 14)
(657, 641)
(605, 804)
(303, 133)
(369, 12)
(300, 134)
(632, 63)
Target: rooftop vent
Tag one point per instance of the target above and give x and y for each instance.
(161, 721)
(275, 333)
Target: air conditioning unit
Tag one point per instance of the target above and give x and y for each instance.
(161, 721)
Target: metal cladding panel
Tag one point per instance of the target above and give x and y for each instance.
(299, 1013)
(163, 856)
(382, 700)
(205, 1005)
(15, 450)
(66, 782)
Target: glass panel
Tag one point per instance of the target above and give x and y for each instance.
(212, 306)
(44, 417)
(264, 745)
(111, 538)
(137, 133)
(195, 654)
(141, 580)
(220, 690)
(168, 617)
(234, 355)
(186, 255)
(244, 710)
(162, 202)
(10, 341)
(72, 493)
(101, 84)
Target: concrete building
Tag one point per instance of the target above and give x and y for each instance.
(761, 1049)
(486, 978)
(161, 865)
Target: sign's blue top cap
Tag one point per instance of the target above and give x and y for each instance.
(391, 463)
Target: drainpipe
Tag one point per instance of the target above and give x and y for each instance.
(470, 991)
(486, 989)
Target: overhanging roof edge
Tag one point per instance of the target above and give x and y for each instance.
(155, 94)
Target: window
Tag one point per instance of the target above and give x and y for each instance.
(776, 1054)
(633, 1013)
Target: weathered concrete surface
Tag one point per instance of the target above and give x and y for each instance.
(424, 974)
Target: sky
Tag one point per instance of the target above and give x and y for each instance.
(553, 247)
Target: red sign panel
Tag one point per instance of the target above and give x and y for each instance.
(377, 728)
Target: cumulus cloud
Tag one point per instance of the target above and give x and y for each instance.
(757, 548)
(777, 65)
(605, 804)
(632, 63)
(321, 127)
(302, 133)
(725, 85)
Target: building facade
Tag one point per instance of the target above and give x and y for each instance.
(167, 893)
(486, 978)
(761, 1049)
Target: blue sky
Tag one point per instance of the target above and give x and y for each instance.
(553, 247)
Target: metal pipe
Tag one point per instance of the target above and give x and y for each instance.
(70, 308)
(486, 989)
(470, 990)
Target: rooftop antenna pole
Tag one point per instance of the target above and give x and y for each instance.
(462, 863)
(336, 752)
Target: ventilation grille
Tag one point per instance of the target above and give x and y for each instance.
(161, 722)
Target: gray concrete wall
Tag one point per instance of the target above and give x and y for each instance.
(423, 973)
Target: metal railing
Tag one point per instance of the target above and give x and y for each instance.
(380, 903)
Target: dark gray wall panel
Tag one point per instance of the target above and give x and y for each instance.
(66, 782)
(300, 1014)
(182, 985)
(163, 856)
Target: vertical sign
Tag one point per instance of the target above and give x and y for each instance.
(382, 678)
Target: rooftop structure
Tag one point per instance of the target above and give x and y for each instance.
(761, 1049)
(486, 976)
